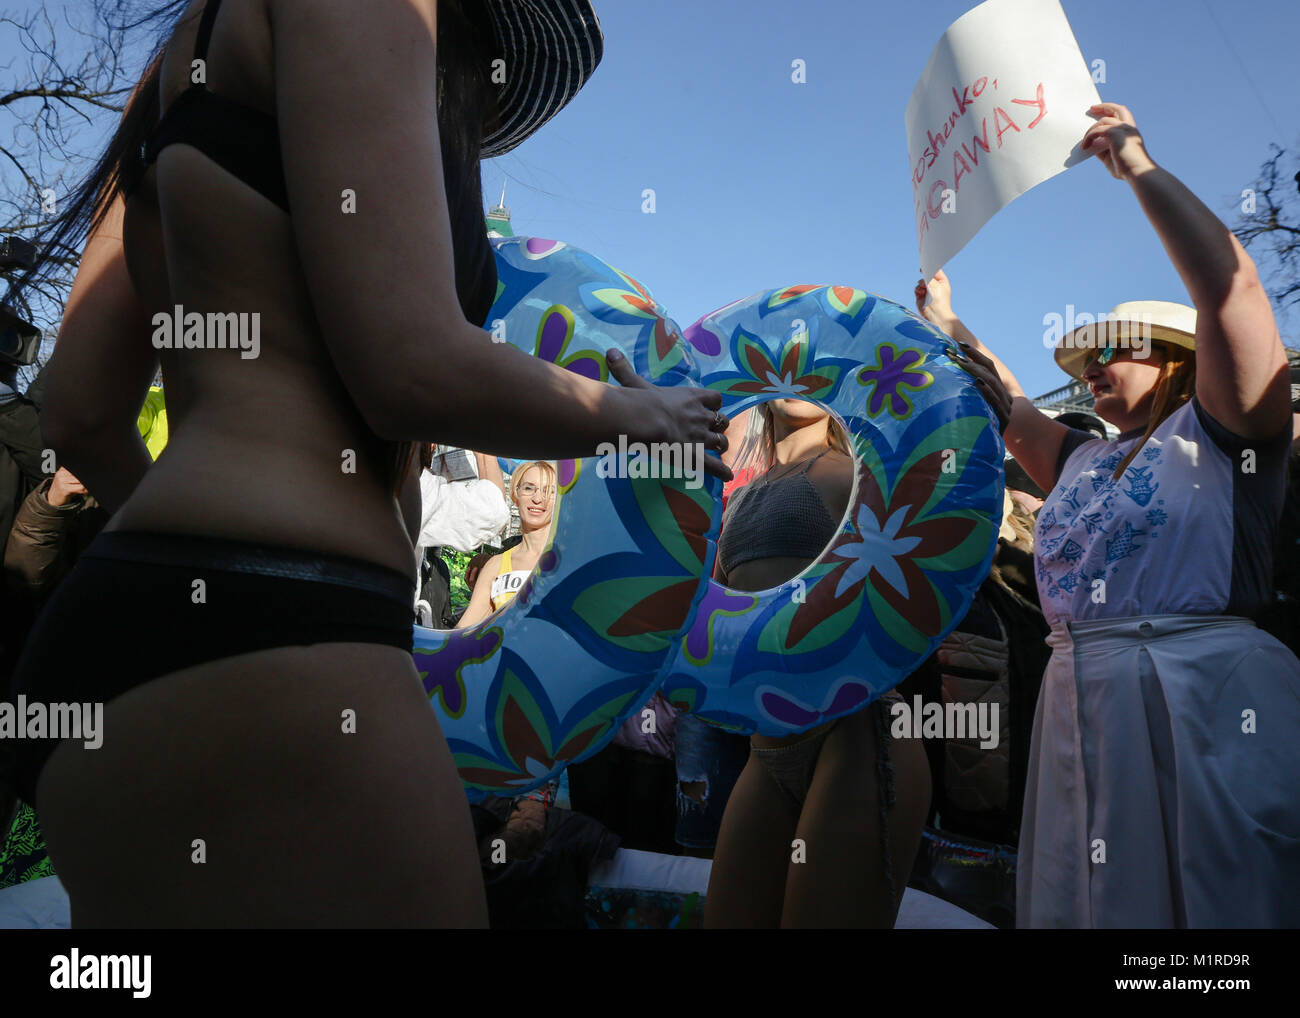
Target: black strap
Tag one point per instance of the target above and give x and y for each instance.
(816, 458)
(204, 37)
(806, 464)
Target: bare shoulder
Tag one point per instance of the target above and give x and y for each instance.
(832, 476)
(356, 13)
(835, 469)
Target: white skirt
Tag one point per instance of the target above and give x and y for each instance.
(1164, 778)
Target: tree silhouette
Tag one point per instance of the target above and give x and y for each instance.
(1271, 232)
(62, 90)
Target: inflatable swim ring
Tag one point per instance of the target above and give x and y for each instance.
(550, 677)
(919, 534)
(621, 603)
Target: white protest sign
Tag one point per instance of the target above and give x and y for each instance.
(1001, 106)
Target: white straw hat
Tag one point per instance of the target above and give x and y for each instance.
(1159, 320)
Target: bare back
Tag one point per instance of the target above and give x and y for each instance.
(269, 448)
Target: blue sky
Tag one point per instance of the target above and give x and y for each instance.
(760, 182)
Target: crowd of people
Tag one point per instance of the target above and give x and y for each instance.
(228, 602)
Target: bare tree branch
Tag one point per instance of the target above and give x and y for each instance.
(58, 95)
(1269, 227)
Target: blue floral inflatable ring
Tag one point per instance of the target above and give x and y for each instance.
(549, 678)
(919, 534)
(621, 604)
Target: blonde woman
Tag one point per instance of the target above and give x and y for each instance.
(856, 798)
(532, 489)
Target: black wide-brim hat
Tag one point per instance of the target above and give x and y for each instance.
(550, 48)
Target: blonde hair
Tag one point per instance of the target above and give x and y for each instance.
(1017, 527)
(545, 466)
(758, 447)
(1174, 387)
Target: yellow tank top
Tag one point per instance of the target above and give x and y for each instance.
(152, 423)
(508, 581)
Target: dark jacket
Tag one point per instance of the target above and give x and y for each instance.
(43, 545)
(46, 540)
(997, 654)
(21, 454)
(1281, 617)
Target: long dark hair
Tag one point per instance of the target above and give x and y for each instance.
(466, 106)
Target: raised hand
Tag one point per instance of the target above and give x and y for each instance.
(64, 487)
(1116, 141)
(939, 311)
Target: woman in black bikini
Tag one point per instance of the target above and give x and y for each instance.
(268, 754)
(856, 798)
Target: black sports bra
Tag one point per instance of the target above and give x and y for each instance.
(238, 138)
(781, 518)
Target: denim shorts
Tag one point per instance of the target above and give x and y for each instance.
(716, 757)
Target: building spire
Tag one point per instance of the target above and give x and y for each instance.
(498, 218)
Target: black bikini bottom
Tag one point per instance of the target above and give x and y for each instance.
(139, 606)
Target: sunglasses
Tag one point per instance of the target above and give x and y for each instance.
(1106, 355)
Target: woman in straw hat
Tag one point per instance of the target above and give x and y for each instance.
(268, 756)
(1161, 791)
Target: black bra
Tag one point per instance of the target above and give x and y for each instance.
(781, 518)
(238, 138)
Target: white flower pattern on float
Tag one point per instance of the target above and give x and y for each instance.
(786, 385)
(879, 549)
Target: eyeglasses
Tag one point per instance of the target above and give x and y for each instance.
(528, 490)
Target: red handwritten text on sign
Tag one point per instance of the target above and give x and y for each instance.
(966, 155)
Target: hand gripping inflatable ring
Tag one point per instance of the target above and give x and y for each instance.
(622, 598)
(549, 678)
(919, 534)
